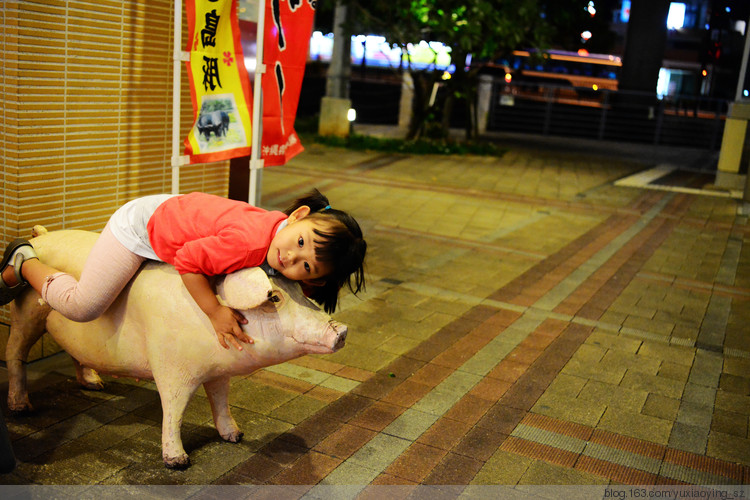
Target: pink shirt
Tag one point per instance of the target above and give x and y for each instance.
(208, 234)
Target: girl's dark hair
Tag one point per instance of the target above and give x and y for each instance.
(341, 245)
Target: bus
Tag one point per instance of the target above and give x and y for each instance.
(573, 77)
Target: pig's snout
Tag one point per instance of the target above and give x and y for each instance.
(338, 330)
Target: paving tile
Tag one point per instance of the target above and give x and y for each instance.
(636, 425)
(571, 429)
(501, 419)
(508, 370)
(431, 374)
(689, 438)
(540, 472)
(445, 433)
(674, 371)
(734, 383)
(297, 409)
(407, 393)
(694, 414)
(613, 341)
(377, 416)
(309, 469)
(613, 395)
(524, 394)
(376, 387)
(597, 371)
(639, 381)
(728, 447)
(648, 450)
(416, 462)
(704, 464)
(615, 472)
(539, 451)
(490, 389)
(635, 362)
(479, 443)
(258, 469)
(411, 424)
(737, 366)
(504, 468)
(661, 407)
(454, 469)
(443, 374)
(344, 441)
(733, 402)
(732, 423)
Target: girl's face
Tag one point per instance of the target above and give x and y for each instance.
(292, 250)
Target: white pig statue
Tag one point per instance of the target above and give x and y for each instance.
(156, 330)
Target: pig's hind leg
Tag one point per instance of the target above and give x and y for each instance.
(27, 324)
(217, 391)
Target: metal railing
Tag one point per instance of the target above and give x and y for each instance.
(550, 109)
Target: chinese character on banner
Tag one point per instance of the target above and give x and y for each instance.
(288, 27)
(219, 83)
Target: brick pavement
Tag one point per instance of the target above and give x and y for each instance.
(526, 322)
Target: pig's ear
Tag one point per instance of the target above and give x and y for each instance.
(245, 289)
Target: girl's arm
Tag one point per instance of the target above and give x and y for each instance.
(223, 318)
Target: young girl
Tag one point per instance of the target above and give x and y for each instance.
(202, 235)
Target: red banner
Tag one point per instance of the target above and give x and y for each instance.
(219, 84)
(220, 87)
(288, 27)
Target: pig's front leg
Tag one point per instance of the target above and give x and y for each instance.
(217, 391)
(175, 393)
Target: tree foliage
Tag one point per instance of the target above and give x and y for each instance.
(476, 31)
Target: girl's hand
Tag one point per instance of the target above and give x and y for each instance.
(226, 321)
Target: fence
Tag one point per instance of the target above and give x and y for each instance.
(607, 115)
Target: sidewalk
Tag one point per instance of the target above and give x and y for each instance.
(526, 322)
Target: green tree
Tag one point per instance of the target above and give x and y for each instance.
(485, 30)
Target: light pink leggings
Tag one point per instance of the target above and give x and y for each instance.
(108, 268)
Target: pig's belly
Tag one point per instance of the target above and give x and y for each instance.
(100, 345)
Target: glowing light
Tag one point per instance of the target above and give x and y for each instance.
(446, 75)
(351, 115)
(676, 16)
(595, 87)
(704, 73)
(586, 35)
(583, 52)
(508, 77)
(591, 9)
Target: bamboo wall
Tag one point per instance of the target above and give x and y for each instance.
(86, 116)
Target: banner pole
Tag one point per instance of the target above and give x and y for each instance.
(176, 84)
(256, 163)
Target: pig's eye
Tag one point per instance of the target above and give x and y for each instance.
(274, 298)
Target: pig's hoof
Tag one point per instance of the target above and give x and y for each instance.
(92, 386)
(89, 379)
(20, 408)
(21, 411)
(177, 463)
(234, 437)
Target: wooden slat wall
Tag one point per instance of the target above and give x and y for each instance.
(86, 115)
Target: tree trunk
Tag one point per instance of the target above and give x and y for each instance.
(420, 104)
(644, 46)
